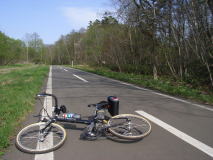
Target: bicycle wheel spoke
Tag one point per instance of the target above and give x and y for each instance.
(58, 133)
(27, 142)
(133, 127)
(57, 136)
(31, 140)
(139, 125)
(127, 133)
(29, 137)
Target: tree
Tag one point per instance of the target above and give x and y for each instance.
(34, 47)
(11, 50)
(154, 37)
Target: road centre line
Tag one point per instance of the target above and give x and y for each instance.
(80, 78)
(157, 93)
(49, 109)
(194, 142)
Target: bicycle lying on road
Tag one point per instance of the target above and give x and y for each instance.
(47, 135)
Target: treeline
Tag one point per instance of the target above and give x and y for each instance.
(11, 50)
(29, 50)
(154, 37)
(171, 38)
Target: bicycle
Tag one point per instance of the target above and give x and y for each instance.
(47, 135)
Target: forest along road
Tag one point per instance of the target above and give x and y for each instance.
(180, 129)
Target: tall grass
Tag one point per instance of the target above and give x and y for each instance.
(17, 92)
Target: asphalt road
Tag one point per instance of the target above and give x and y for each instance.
(183, 130)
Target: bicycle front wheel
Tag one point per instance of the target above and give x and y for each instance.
(31, 140)
(129, 126)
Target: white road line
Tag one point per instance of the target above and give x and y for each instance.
(194, 142)
(80, 78)
(128, 84)
(167, 96)
(49, 108)
(160, 94)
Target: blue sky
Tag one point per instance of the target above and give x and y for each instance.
(49, 18)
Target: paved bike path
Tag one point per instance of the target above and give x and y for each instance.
(160, 144)
(77, 89)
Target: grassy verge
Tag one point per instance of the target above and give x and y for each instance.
(163, 84)
(17, 91)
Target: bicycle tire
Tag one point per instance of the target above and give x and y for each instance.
(38, 146)
(125, 129)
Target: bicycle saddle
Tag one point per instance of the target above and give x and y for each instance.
(100, 105)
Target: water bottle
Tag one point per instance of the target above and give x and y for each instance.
(71, 116)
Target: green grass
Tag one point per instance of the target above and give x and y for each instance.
(17, 91)
(163, 84)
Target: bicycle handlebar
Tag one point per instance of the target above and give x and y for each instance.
(44, 94)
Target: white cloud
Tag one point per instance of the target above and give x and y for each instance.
(80, 17)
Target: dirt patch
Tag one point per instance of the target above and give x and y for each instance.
(7, 70)
(6, 82)
(29, 79)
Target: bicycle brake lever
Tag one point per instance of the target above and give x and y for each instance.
(91, 105)
(41, 94)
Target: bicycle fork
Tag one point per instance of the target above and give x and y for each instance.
(45, 131)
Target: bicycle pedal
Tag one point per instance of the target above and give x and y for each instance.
(88, 136)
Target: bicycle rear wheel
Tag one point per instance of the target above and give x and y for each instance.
(31, 140)
(129, 126)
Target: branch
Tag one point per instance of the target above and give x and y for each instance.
(148, 3)
(210, 4)
(136, 4)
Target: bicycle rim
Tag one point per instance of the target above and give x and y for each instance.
(30, 140)
(129, 126)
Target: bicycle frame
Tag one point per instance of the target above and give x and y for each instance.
(57, 112)
(91, 123)
(59, 119)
